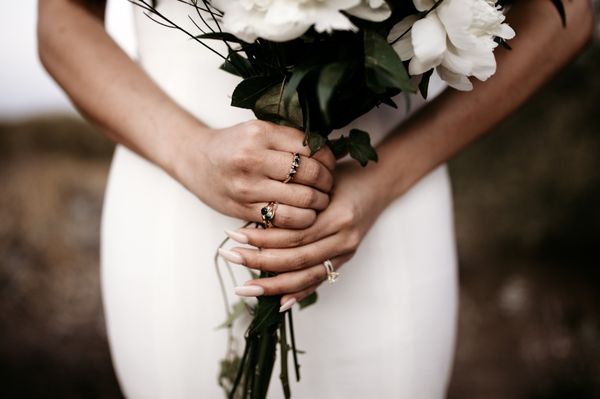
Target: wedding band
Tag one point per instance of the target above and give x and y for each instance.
(293, 168)
(332, 275)
(267, 214)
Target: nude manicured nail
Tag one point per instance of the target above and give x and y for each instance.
(290, 302)
(249, 290)
(237, 236)
(231, 256)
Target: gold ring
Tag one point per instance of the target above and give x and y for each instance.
(293, 168)
(332, 275)
(267, 214)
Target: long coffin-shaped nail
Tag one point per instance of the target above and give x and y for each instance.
(231, 256)
(249, 290)
(237, 236)
(289, 303)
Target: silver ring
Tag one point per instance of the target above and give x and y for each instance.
(332, 275)
(293, 168)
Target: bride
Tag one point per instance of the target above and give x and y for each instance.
(189, 168)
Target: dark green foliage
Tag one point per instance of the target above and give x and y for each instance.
(251, 89)
(384, 68)
(309, 300)
(357, 144)
(424, 83)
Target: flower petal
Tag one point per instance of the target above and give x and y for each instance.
(429, 40)
(455, 80)
(423, 5)
(371, 12)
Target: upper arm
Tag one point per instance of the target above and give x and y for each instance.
(55, 8)
(56, 16)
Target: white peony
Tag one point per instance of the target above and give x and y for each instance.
(456, 38)
(283, 20)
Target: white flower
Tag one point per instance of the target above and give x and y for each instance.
(456, 38)
(283, 20)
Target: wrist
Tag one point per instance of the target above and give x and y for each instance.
(185, 148)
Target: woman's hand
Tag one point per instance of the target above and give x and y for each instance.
(238, 170)
(298, 255)
(235, 171)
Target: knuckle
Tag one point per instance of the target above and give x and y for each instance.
(327, 158)
(297, 239)
(347, 218)
(308, 198)
(308, 279)
(312, 172)
(284, 219)
(353, 240)
(256, 262)
(316, 276)
(328, 182)
(245, 159)
(299, 261)
(255, 129)
(241, 188)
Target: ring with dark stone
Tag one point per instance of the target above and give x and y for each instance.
(267, 214)
(293, 168)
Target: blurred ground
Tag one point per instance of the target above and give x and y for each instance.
(528, 225)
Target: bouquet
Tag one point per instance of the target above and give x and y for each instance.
(317, 65)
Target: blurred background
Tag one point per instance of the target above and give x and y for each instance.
(527, 200)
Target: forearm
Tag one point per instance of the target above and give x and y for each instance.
(455, 119)
(106, 85)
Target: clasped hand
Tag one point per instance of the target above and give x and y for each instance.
(315, 219)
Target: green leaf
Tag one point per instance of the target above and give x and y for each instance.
(306, 302)
(314, 141)
(329, 79)
(270, 107)
(249, 90)
(359, 147)
(424, 83)
(237, 65)
(339, 147)
(385, 69)
(238, 309)
(299, 73)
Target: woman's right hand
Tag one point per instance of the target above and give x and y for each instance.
(238, 170)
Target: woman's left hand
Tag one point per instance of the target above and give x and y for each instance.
(298, 255)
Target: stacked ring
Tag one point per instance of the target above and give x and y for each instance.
(332, 275)
(293, 168)
(268, 214)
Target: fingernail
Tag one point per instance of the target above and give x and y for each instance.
(290, 302)
(249, 290)
(231, 256)
(237, 236)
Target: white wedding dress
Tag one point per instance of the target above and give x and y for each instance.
(386, 329)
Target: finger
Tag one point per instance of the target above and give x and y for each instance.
(326, 157)
(324, 226)
(309, 171)
(284, 260)
(288, 217)
(297, 281)
(291, 194)
(288, 139)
